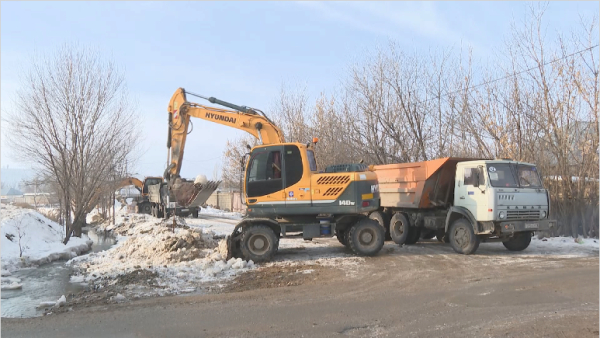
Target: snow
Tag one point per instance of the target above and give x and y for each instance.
(41, 239)
(563, 246)
(61, 301)
(177, 259)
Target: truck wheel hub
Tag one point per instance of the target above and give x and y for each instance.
(461, 237)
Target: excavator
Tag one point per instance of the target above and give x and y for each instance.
(284, 193)
(143, 205)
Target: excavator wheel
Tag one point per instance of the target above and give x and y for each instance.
(384, 220)
(366, 237)
(259, 243)
(342, 236)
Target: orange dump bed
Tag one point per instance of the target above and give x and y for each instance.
(418, 185)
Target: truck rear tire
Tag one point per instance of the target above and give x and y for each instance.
(144, 209)
(366, 237)
(383, 220)
(400, 228)
(259, 243)
(427, 234)
(414, 233)
(462, 238)
(519, 242)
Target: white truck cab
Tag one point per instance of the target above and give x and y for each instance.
(504, 197)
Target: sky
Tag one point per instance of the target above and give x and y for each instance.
(243, 52)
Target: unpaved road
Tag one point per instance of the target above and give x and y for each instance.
(423, 290)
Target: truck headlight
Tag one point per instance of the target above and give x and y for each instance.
(502, 214)
(543, 214)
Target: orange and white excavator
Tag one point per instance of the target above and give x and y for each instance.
(284, 193)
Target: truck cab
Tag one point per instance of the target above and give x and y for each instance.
(508, 193)
(501, 199)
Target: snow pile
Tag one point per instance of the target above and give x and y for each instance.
(157, 258)
(220, 213)
(40, 239)
(564, 246)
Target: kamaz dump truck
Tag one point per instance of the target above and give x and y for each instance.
(464, 201)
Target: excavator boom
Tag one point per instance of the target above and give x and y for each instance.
(180, 111)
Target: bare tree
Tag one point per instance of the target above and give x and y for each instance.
(73, 120)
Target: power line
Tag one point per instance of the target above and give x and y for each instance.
(510, 75)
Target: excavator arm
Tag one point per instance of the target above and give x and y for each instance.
(181, 110)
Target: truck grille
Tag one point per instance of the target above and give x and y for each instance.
(522, 214)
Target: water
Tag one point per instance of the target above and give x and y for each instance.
(46, 283)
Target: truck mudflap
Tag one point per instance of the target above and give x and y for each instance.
(519, 226)
(189, 194)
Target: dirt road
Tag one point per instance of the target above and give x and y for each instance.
(423, 290)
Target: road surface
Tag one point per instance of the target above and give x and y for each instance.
(424, 290)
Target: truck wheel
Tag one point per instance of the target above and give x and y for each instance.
(441, 236)
(145, 209)
(342, 236)
(413, 235)
(519, 242)
(195, 213)
(399, 228)
(427, 234)
(383, 220)
(366, 237)
(259, 243)
(462, 238)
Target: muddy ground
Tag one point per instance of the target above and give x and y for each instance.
(425, 290)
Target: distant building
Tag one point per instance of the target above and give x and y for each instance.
(8, 195)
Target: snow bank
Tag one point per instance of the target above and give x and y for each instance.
(220, 213)
(161, 261)
(41, 239)
(564, 246)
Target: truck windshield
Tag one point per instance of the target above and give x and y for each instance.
(513, 175)
(501, 175)
(528, 176)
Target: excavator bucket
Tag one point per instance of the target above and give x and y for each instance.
(193, 194)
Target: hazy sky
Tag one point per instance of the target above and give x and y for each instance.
(242, 52)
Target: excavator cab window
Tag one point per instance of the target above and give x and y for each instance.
(264, 172)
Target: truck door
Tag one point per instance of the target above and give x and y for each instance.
(467, 194)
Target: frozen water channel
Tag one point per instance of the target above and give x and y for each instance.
(45, 283)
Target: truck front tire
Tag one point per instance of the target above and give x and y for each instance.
(366, 237)
(259, 243)
(462, 238)
(519, 242)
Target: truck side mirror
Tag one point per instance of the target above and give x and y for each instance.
(476, 179)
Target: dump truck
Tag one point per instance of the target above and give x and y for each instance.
(285, 194)
(180, 197)
(465, 201)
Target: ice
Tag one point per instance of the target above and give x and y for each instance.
(61, 301)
